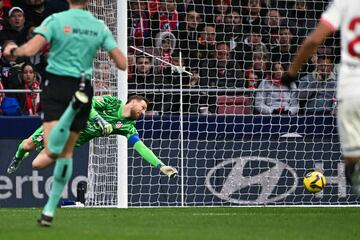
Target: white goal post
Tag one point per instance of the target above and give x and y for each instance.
(108, 168)
(236, 136)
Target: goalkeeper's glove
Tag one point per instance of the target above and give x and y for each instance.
(169, 171)
(104, 125)
(287, 79)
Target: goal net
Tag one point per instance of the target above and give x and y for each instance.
(236, 135)
(103, 152)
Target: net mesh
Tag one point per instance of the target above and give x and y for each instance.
(102, 167)
(237, 136)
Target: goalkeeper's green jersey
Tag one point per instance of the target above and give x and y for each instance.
(110, 109)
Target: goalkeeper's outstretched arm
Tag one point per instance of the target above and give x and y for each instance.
(150, 157)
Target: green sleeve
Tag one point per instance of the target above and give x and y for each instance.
(108, 42)
(147, 154)
(101, 103)
(131, 131)
(98, 103)
(47, 28)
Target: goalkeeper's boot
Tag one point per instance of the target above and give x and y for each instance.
(44, 220)
(15, 163)
(79, 99)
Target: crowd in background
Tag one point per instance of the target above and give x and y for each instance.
(236, 51)
(18, 19)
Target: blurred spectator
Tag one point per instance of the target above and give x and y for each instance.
(232, 32)
(9, 3)
(322, 51)
(221, 7)
(31, 103)
(206, 42)
(252, 16)
(165, 44)
(3, 14)
(139, 30)
(10, 69)
(166, 19)
(221, 72)
(204, 7)
(16, 29)
(188, 35)
(131, 62)
(328, 51)
(256, 70)
(144, 78)
(37, 10)
(102, 78)
(154, 6)
(279, 101)
(171, 80)
(194, 100)
(286, 48)
(303, 18)
(143, 73)
(271, 29)
(251, 43)
(171, 100)
(314, 100)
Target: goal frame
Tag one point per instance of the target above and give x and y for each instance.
(122, 161)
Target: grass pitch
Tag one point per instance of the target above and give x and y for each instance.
(184, 224)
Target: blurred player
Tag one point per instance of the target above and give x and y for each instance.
(108, 116)
(343, 14)
(75, 36)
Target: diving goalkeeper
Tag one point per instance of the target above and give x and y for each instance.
(108, 116)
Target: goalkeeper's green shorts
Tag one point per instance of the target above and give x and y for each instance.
(38, 139)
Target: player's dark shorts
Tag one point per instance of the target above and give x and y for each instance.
(57, 92)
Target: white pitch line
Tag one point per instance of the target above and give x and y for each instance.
(221, 214)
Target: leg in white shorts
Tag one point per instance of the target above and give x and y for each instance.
(348, 121)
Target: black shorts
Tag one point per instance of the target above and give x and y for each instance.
(57, 92)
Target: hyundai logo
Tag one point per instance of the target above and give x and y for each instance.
(251, 180)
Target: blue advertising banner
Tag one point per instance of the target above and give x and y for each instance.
(31, 188)
(256, 171)
(227, 161)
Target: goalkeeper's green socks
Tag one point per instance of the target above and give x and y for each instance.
(20, 151)
(62, 173)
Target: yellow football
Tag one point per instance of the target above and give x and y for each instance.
(314, 182)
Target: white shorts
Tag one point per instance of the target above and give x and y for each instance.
(348, 122)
